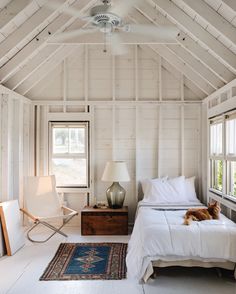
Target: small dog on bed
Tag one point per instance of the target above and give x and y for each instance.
(200, 214)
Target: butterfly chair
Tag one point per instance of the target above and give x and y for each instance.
(42, 204)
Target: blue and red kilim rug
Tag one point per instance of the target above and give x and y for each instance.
(87, 261)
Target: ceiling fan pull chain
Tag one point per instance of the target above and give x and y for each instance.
(105, 42)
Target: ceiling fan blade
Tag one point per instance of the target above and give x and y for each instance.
(162, 32)
(117, 47)
(54, 5)
(123, 7)
(70, 34)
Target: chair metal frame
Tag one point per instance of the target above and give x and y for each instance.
(37, 221)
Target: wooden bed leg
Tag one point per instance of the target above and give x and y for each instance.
(154, 274)
(219, 273)
(235, 273)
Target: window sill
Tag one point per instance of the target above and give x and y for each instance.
(73, 190)
(229, 198)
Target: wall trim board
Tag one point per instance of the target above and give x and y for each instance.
(116, 103)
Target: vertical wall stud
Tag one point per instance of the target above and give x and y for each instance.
(136, 73)
(1, 114)
(160, 118)
(6, 147)
(92, 158)
(182, 124)
(65, 86)
(45, 140)
(113, 108)
(37, 149)
(160, 78)
(159, 141)
(32, 143)
(86, 76)
(136, 122)
(20, 151)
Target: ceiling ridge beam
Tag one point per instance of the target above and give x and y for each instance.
(44, 69)
(189, 45)
(185, 21)
(37, 44)
(213, 18)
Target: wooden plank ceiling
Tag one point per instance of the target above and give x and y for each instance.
(205, 52)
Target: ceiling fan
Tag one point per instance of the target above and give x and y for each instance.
(108, 19)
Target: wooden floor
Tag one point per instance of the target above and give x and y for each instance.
(20, 274)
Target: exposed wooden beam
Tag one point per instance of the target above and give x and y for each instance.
(25, 33)
(37, 44)
(11, 10)
(195, 29)
(165, 52)
(44, 70)
(197, 66)
(207, 59)
(230, 3)
(21, 75)
(180, 66)
(213, 18)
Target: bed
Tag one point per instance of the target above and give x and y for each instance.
(160, 239)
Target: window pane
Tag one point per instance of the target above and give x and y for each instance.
(231, 137)
(77, 140)
(69, 171)
(60, 140)
(232, 178)
(217, 174)
(216, 139)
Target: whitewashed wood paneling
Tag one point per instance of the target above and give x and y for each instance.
(15, 145)
(111, 77)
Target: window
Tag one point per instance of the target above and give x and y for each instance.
(223, 156)
(217, 174)
(216, 155)
(69, 153)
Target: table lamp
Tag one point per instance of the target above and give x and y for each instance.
(115, 171)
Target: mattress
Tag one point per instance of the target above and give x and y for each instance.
(159, 234)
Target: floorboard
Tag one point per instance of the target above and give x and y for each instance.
(20, 274)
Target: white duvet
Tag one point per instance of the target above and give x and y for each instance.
(159, 234)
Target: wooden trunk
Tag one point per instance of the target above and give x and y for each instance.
(95, 221)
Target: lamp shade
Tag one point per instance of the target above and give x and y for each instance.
(115, 171)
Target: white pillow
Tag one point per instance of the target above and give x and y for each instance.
(161, 191)
(147, 182)
(190, 192)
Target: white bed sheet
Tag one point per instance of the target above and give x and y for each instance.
(159, 234)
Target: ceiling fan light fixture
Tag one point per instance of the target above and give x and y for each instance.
(106, 28)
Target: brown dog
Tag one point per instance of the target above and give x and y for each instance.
(199, 214)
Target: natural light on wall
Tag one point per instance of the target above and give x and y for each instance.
(69, 154)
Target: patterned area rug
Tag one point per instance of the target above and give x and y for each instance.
(87, 261)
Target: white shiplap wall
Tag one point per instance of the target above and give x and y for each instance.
(139, 115)
(16, 145)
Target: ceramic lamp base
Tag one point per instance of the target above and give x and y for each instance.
(115, 195)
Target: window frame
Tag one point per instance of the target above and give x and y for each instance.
(226, 158)
(71, 155)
